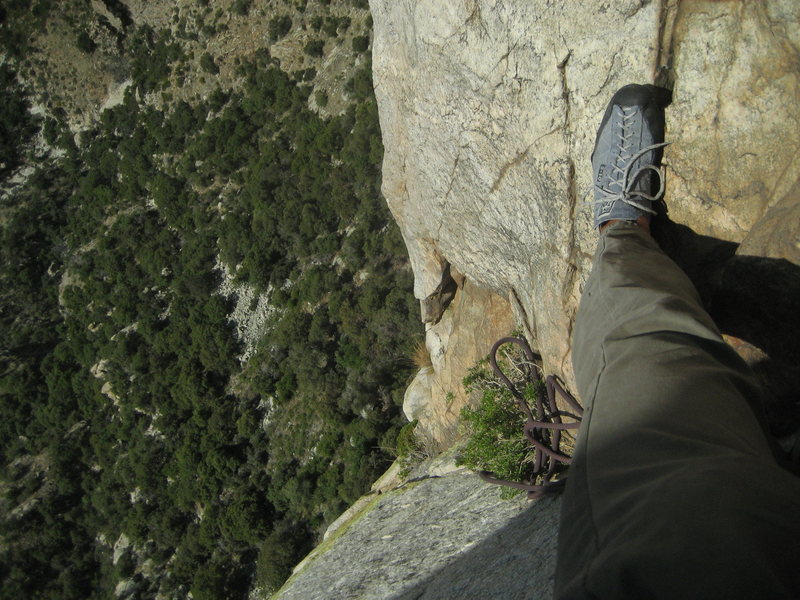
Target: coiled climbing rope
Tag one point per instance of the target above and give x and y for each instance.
(542, 428)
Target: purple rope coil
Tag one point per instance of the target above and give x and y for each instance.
(546, 452)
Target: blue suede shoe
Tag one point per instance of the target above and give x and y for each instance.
(627, 154)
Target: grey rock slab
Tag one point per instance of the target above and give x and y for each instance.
(439, 538)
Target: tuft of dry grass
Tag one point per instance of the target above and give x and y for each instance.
(420, 357)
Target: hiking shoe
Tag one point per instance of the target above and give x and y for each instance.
(627, 153)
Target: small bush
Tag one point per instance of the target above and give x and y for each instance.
(218, 99)
(360, 43)
(321, 98)
(331, 26)
(410, 451)
(360, 85)
(241, 7)
(279, 26)
(85, 43)
(315, 48)
(208, 65)
(406, 442)
(51, 131)
(306, 74)
(497, 443)
(420, 357)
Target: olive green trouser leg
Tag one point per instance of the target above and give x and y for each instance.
(673, 491)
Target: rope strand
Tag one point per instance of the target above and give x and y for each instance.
(538, 428)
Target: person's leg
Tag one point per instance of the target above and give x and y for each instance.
(673, 491)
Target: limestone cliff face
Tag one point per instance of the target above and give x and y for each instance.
(489, 111)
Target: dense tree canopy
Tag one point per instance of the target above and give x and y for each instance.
(124, 406)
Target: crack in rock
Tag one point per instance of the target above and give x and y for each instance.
(505, 168)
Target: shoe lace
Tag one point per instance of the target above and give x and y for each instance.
(624, 180)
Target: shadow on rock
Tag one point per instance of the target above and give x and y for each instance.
(515, 562)
(754, 301)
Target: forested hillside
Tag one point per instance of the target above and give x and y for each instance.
(144, 453)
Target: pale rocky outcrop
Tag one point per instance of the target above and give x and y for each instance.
(121, 547)
(250, 312)
(116, 94)
(489, 111)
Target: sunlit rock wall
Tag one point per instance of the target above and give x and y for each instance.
(489, 111)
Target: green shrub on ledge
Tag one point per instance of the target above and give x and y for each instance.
(495, 427)
(497, 443)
